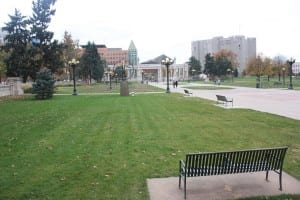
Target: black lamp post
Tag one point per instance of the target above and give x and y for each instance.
(283, 75)
(123, 72)
(230, 73)
(291, 61)
(142, 77)
(73, 64)
(110, 79)
(116, 78)
(167, 61)
(193, 73)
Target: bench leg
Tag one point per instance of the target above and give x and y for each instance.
(179, 181)
(280, 180)
(267, 175)
(185, 187)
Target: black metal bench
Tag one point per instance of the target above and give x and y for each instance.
(232, 162)
(223, 99)
(187, 92)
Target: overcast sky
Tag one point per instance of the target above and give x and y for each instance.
(169, 26)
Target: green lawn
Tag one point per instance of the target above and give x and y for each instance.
(106, 146)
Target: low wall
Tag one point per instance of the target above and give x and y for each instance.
(13, 87)
(5, 90)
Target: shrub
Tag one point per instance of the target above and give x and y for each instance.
(43, 87)
(27, 88)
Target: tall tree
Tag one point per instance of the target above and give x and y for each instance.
(16, 43)
(50, 51)
(210, 65)
(229, 55)
(91, 65)
(195, 66)
(278, 66)
(255, 67)
(222, 65)
(31, 50)
(268, 67)
(70, 51)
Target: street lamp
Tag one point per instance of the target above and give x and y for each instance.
(193, 73)
(167, 61)
(110, 73)
(116, 77)
(283, 75)
(73, 64)
(291, 62)
(123, 74)
(231, 73)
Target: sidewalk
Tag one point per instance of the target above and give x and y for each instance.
(223, 187)
(282, 102)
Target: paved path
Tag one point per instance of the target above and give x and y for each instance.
(223, 187)
(282, 102)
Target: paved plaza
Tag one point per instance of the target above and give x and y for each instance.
(224, 187)
(282, 102)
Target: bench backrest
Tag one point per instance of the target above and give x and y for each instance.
(221, 98)
(216, 163)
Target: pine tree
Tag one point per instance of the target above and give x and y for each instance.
(210, 66)
(32, 50)
(48, 52)
(91, 64)
(16, 44)
(195, 66)
(43, 86)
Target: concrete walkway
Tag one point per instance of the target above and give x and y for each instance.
(282, 102)
(223, 187)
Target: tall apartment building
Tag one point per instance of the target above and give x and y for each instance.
(244, 48)
(132, 54)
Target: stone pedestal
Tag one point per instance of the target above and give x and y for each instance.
(15, 84)
(124, 90)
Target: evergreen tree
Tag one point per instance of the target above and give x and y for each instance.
(32, 50)
(48, 53)
(195, 66)
(210, 66)
(91, 64)
(43, 86)
(16, 44)
(222, 65)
